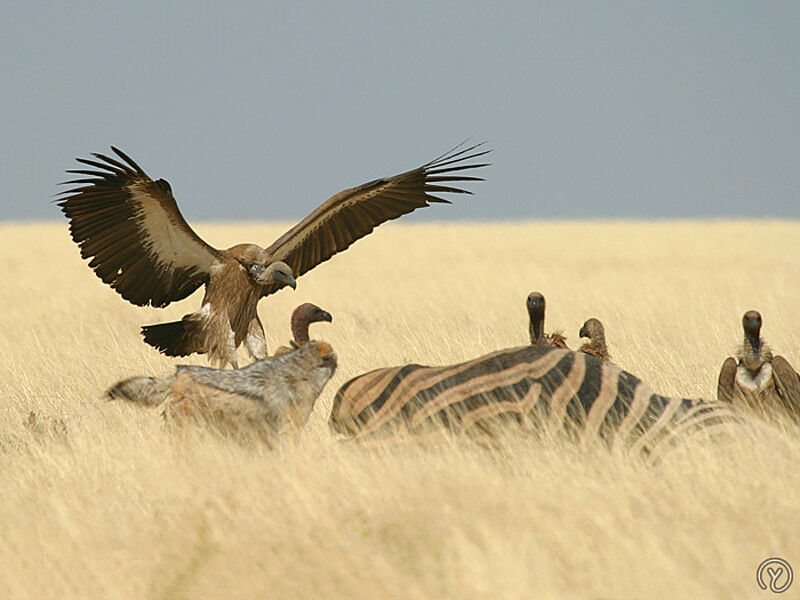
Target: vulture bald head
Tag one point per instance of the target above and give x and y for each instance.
(535, 304)
(754, 352)
(303, 316)
(261, 268)
(751, 323)
(593, 329)
(596, 346)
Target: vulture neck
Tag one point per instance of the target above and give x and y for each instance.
(754, 352)
(536, 327)
(300, 329)
(598, 340)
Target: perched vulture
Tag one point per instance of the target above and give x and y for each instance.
(758, 379)
(137, 241)
(535, 304)
(302, 317)
(596, 346)
(269, 399)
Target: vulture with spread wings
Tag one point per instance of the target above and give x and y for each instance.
(137, 241)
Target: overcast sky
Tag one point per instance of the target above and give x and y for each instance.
(263, 110)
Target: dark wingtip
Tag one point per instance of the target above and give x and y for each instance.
(129, 160)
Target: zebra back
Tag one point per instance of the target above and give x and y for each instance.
(536, 388)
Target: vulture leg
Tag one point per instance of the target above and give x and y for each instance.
(256, 341)
(787, 382)
(727, 380)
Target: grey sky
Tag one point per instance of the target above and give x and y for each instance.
(263, 110)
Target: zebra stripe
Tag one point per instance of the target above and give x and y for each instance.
(533, 387)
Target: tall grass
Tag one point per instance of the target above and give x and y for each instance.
(98, 500)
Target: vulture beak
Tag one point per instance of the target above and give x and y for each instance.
(535, 303)
(325, 316)
(286, 279)
(582, 333)
(752, 328)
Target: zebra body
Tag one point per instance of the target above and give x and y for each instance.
(533, 387)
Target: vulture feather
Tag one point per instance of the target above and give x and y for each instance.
(131, 231)
(756, 378)
(596, 346)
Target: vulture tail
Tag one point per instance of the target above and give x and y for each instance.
(172, 339)
(147, 391)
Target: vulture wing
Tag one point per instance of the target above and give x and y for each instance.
(131, 229)
(355, 212)
(727, 380)
(788, 383)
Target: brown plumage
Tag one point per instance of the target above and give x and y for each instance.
(756, 378)
(536, 305)
(269, 399)
(596, 346)
(302, 317)
(130, 228)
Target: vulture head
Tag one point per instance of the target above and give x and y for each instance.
(751, 322)
(593, 329)
(261, 269)
(279, 272)
(754, 352)
(303, 316)
(535, 304)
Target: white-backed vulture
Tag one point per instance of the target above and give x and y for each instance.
(137, 241)
(302, 317)
(596, 346)
(270, 398)
(536, 304)
(756, 378)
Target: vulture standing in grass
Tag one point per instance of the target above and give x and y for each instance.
(758, 379)
(302, 317)
(596, 346)
(536, 304)
(137, 241)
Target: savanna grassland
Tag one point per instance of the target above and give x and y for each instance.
(98, 500)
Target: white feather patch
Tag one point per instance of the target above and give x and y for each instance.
(168, 244)
(753, 384)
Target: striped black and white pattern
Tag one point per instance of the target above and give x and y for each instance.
(533, 387)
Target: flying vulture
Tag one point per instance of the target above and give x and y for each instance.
(758, 379)
(137, 241)
(535, 304)
(596, 346)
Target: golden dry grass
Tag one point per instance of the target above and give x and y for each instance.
(116, 507)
